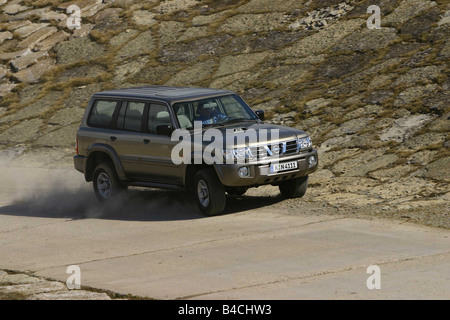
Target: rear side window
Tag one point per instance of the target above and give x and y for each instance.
(130, 116)
(102, 113)
(158, 115)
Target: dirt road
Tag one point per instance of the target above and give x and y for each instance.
(156, 244)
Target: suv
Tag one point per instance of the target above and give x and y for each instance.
(131, 137)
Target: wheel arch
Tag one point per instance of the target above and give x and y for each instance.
(192, 169)
(98, 153)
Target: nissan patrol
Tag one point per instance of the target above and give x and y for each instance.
(131, 137)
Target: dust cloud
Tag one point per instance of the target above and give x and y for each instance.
(30, 190)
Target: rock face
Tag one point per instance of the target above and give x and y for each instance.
(34, 73)
(143, 43)
(439, 170)
(404, 127)
(5, 36)
(320, 18)
(375, 102)
(77, 49)
(323, 40)
(26, 60)
(13, 9)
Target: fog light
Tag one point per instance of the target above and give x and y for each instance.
(312, 161)
(243, 172)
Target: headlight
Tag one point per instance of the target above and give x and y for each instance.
(240, 154)
(304, 143)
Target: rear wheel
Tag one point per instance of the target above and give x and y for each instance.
(106, 183)
(294, 188)
(209, 192)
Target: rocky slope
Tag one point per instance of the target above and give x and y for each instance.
(375, 101)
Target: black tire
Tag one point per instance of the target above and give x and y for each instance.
(209, 192)
(107, 185)
(294, 188)
(236, 191)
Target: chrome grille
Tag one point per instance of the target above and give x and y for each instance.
(260, 152)
(291, 147)
(265, 151)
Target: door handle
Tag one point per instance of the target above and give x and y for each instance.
(112, 138)
(146, 141)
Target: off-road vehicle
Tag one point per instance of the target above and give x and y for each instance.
(126, 138)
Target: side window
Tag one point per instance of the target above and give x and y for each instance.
(183, 114)
(102, 113)
(158, 115)
(130, 116)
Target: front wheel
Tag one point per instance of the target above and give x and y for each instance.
(294, 188)
(106, 183)
(209, 192)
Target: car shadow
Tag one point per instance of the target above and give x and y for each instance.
(137, 205)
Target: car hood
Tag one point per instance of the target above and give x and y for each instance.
(253, 133)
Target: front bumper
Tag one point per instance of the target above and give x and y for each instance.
(259, 174)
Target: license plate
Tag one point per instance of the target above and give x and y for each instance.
(277, 167)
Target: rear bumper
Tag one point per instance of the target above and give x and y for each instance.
(260, 174)
(78, 162)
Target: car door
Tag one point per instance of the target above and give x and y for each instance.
(157, 149)
(128, 137)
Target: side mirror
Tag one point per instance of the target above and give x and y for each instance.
(260, 114)
(164, 130)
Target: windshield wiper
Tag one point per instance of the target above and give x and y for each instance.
(213, 124)
(221, 124)
(239, 120)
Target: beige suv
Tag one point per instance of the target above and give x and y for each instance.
(205, 141)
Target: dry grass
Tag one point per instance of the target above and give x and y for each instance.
(43, 3)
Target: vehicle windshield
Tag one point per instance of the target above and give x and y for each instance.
(215, 110)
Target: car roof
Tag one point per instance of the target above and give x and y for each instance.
(164, 93)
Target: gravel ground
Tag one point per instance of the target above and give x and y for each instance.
(430, 212)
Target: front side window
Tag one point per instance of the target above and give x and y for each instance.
(102, 113)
